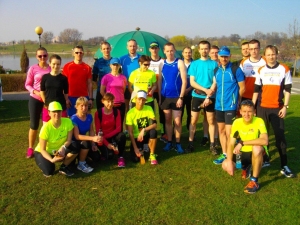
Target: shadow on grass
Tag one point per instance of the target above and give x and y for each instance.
(13, 111)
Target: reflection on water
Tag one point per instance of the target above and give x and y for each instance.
(11, 62)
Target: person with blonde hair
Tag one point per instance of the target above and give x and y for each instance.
(83, 124)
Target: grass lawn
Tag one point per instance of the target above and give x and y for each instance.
(182, 189)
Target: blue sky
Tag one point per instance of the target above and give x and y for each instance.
(18, 18)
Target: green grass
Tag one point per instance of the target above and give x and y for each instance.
(182, 189)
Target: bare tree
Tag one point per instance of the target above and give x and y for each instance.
(70, 36)
(47, 37)
(94, 40)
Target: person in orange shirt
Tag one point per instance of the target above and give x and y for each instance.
(79, 76)
(272, 93)
(250, 67)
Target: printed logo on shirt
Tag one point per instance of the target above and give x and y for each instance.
(142, 122)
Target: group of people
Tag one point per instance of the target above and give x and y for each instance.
(126, 90)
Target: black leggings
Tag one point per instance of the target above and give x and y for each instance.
(35, 108)
(48, 167)
(120, 139)
(187, 103)
(161, 113)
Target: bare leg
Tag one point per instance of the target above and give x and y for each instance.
(211, 125)
(168, 122)
(177, 122)
(194, 119)
(257, 159)
(152, 145)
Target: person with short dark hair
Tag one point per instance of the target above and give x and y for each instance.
(79, 76)
(272, 93)
(141, 124)
(35, 103)
(101, 67)
(253, 139)
(55, 143)
(172, 85)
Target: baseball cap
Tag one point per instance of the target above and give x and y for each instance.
(115, 61)
(154, 44)
(141, 94)
(224, 51)
(54, 106)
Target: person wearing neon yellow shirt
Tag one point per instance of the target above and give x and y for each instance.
(253, 139)
(55, 143)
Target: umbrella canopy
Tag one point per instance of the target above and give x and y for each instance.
(143, 39)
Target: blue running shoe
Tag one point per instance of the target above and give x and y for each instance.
(179, 149)
(219, 160)
(168, 147)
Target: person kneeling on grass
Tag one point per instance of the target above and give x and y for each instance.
(83, 123)
(55, 143)
(141, 128)
(253, 137)
(108, 119)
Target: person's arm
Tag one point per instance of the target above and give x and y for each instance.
(95, 71)
(228, 161)
(45, 154)
(159, 77)
(257, 89)
(135, 148)
(81, 137)
(194, 84)
(241, 90)
(29, 82)
(261, 140)
(102, 89)
(282, 112)
(66, 93)
(117, 129)
(182, 70)
(90, 88)
(42, 94)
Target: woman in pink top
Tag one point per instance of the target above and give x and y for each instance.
(35, 104)
(115, 83)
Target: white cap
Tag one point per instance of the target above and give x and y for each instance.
(141, 94)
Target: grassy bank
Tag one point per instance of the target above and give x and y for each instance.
(182, 189)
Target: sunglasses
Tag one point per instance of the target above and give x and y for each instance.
(80, 53)
(146, 64)
(56, 111)
(247, 102)
(41, 56)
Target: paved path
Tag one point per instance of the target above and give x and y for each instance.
(24, 95)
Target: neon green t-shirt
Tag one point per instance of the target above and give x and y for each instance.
(248, 132)
(141, 81)
(139, 119)
(55, 137)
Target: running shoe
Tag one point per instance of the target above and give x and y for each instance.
(65, 171)
(220, 160)
(217, 143)
(153, 159)
(204, 141)
(164, 138)
(251, 187)
(179, 149)
(121, 162)
(266, 164)
(189, 149)
(168, 147)
(84, 167)
(213, 150)
(246, 173)
(30, 153)
(287, 172)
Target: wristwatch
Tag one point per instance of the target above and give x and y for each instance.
(286, 106)
(241, 142)
(181, 98)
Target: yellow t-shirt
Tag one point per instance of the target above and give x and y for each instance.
(139, 119)
(141, 81)
(248, 132)
(55, 137)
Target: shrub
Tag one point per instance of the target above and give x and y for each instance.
(24, 61)
(13, 82)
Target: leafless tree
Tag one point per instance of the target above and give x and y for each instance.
(70, 36)
(47, 37)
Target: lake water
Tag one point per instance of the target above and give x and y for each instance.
(13, 62)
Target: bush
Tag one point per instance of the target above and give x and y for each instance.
(24, 61)
(13, 82)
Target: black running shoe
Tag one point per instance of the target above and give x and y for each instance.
(287, 172)
(65, 171)
(204, 141)
(189, 149)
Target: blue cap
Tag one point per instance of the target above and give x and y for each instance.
(115, 61)
(224, 51)
(154, 44)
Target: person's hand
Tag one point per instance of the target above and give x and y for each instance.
(57, 158)
(237, 148)
(137, 152)
(68, 104)
(37, 93)
(282, 112)
(111, 146)
(179, 103)
(96, 138)
(228, 166)
(140, 137)
(206, 102)
(209, 92)
(62, 151)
